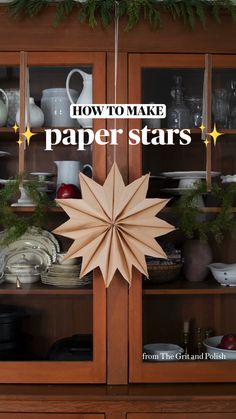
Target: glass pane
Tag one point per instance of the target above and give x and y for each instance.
(46, 311)
(171, 303)
(9, 83)
(182, 324)
(181, 90)
(48, 89)
(224, 115)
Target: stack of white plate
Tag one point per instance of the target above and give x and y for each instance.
(65, 276)
(38, 247)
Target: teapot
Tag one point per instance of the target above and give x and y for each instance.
(3, 109)
(85, 96)
(68, 171)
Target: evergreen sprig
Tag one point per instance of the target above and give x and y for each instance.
(196, 224)
(93, 11)
(14, 225)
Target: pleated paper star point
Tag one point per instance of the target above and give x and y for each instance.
(114, 226)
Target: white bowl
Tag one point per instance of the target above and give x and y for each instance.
(24, 279)
(61, 261)
(162, 352)
(217, 353)
(224, 273)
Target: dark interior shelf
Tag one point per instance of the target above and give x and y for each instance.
(41, 289)
(184, 287)
(205, 210)
(31, 209)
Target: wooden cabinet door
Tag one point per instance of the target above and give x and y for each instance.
(50, 415)
(180, 415)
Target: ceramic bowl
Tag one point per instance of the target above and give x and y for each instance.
(23, 278)
(224, 273)
(162, 352)
(217, 353)
(21, 269)
(60, 257)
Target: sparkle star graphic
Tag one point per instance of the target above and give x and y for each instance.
(15, 127)
(28, 134)
(206, 142)
(202, 128)
(19, 141)
(215, 134)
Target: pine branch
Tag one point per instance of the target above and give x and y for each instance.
(92, 11)
(191, 219)
(15, 226)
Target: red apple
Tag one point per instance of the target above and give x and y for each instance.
(228, 342)
(68, 190)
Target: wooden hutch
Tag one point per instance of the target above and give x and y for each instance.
(116, 382)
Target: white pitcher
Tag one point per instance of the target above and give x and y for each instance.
(3, 109)
(68, 171)
(86, 96)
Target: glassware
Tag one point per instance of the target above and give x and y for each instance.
(178, 115)
(195, 106)
(232, 105)
(221, 108)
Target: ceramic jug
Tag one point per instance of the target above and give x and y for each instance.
(56, 107)
(85, 96)
(13, 96)
(3, 109)
(68, 171)
(36, 116)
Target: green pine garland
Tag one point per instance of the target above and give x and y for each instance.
(93, 11)
(13, 224)
(190, 217)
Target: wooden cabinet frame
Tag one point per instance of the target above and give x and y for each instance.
(66, 372)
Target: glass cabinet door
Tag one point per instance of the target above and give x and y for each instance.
(172, 318)
(9, 104)
(53, 324)
(223, 115)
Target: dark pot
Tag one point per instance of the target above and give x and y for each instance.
(9, 322)
(197, 256)
(74, 348)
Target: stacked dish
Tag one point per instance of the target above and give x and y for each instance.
(65, 276)
(187, 180)
(28, 256)
(162, 352)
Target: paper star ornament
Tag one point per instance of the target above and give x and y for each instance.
(113, 226)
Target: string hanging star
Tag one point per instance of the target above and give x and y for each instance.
(114, 226)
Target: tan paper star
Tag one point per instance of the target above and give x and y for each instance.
(114, 226)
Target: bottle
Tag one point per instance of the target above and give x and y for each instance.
(178, 115)
(186, 337)
(198, 341)
(195, 106)
(221, 107)
(232, 105)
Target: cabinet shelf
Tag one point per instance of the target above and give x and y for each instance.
(41, 289)
(31, 209)
(204, 210)
(183, 287)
